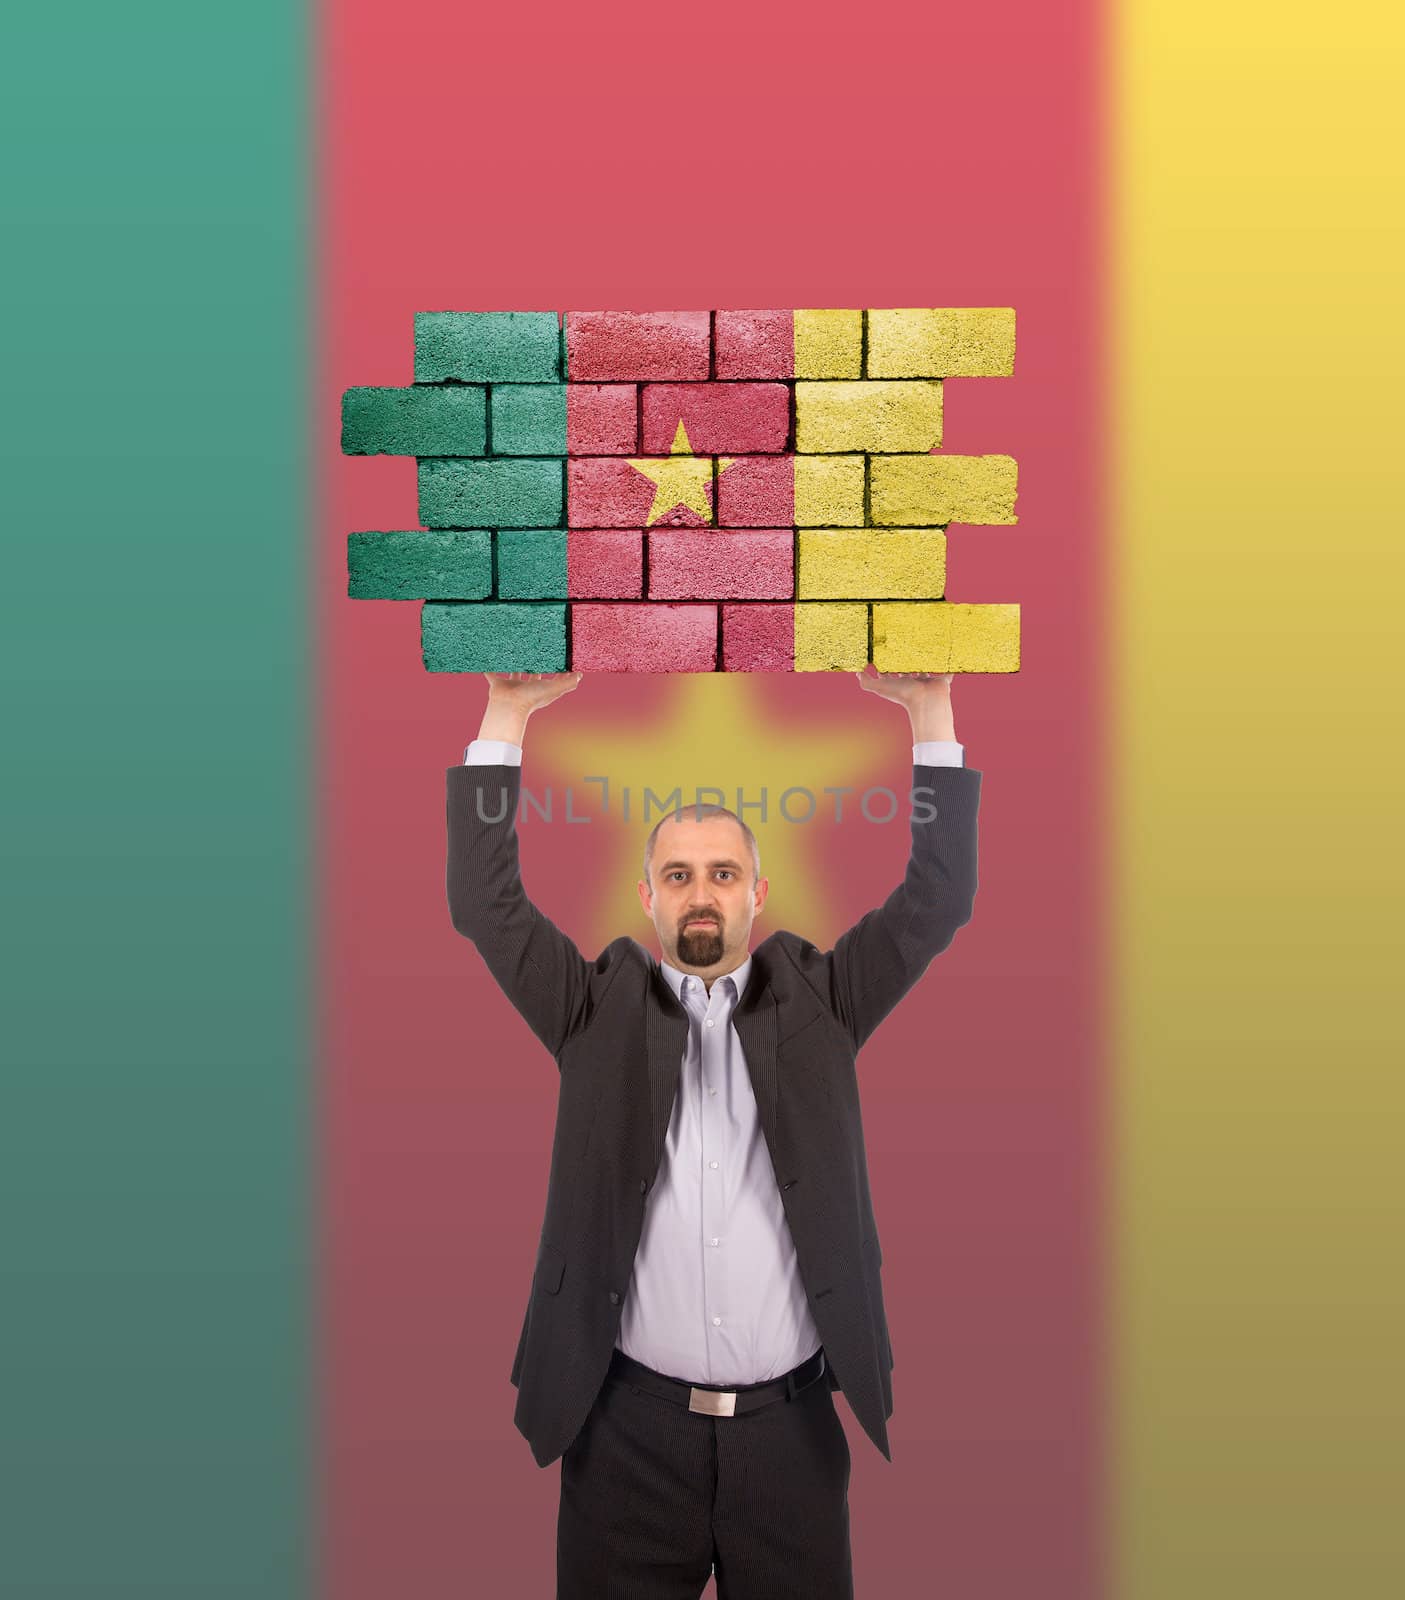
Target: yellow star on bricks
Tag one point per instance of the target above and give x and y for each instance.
(680, 479)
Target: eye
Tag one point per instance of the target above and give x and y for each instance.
(725, 871)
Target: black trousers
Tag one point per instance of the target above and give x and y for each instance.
(654, 1496)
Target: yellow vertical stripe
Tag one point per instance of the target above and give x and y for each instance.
(1254, 686)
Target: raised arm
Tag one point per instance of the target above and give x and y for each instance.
(875, 963)
(535, 964)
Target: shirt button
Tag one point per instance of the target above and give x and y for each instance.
(712, 1163)
(717, 1322)
(712, 1091)
(710, 1022)
(715, 1241)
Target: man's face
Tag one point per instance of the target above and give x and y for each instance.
(703, 898)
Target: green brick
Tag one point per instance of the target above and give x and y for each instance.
(487, 347)
(449, 421)
(493, 636)
(455, 565)
(490, 494)
(532, 564)
(529, 419)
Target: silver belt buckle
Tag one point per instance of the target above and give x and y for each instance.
(713, 1402)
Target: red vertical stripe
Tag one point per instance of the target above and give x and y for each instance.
(919, 157)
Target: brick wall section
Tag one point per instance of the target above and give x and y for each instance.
(688, 491)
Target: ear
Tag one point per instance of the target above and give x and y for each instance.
(763, 888)
(646, 899)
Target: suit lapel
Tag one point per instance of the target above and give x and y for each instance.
(666, 1035)
(755, 1021)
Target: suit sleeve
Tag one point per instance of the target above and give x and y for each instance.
(536, 965)
(876, 962)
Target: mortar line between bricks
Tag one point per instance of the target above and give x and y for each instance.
(711, 345)
(488, 418)
(863, 343)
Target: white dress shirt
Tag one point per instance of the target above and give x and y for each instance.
(715, 1295)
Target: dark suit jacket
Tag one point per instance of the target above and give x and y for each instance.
(618, 1034)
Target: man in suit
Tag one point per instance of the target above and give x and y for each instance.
(708, 1269)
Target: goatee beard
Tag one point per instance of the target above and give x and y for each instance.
(700, 947)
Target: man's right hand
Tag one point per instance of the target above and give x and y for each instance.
(514, 696)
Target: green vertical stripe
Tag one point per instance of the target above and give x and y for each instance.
(156, 672)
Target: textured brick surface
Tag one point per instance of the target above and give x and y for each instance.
(643, 638)
(940, 636)
(830, 635)
(605, 345)
(605, 563)
(490, 494)
(607, 492)
(493, 636)
(754, 344)
(829, 344)
(740, 418)
(828, 491)
(963, 342)
(529, 419)
(602, 419)
(597, 447)
(924, 491)
(413, 422)
(731, 564)
(871, 563)
(758, 637)
(757, 492)
(832, 417)
(487, 346)
(419, 566)
(531, 563)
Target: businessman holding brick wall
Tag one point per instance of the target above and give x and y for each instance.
(709, 1268)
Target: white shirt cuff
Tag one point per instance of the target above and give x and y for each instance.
(493, 752)
(938, 753)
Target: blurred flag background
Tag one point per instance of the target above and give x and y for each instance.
(274, 1148)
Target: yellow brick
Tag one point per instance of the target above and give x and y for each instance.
(964, 342)
(867, 416)
(926, 491)
(871, 563)
(985, 638)
(829, 344)
(829, 491)
(831, 636)
(941, 636)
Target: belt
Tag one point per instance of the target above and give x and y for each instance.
(710, 1399)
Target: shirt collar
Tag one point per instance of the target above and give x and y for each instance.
(675, 978)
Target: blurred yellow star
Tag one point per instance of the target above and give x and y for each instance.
(733, 731)
(680, 479)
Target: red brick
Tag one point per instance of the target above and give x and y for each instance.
(757, 492)
(691, 564)
(602, 419)
(605, 563)
(643, 638)
(754, 344)
(758, 638)
(719, 418)
(606, 345)
(606, 492)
